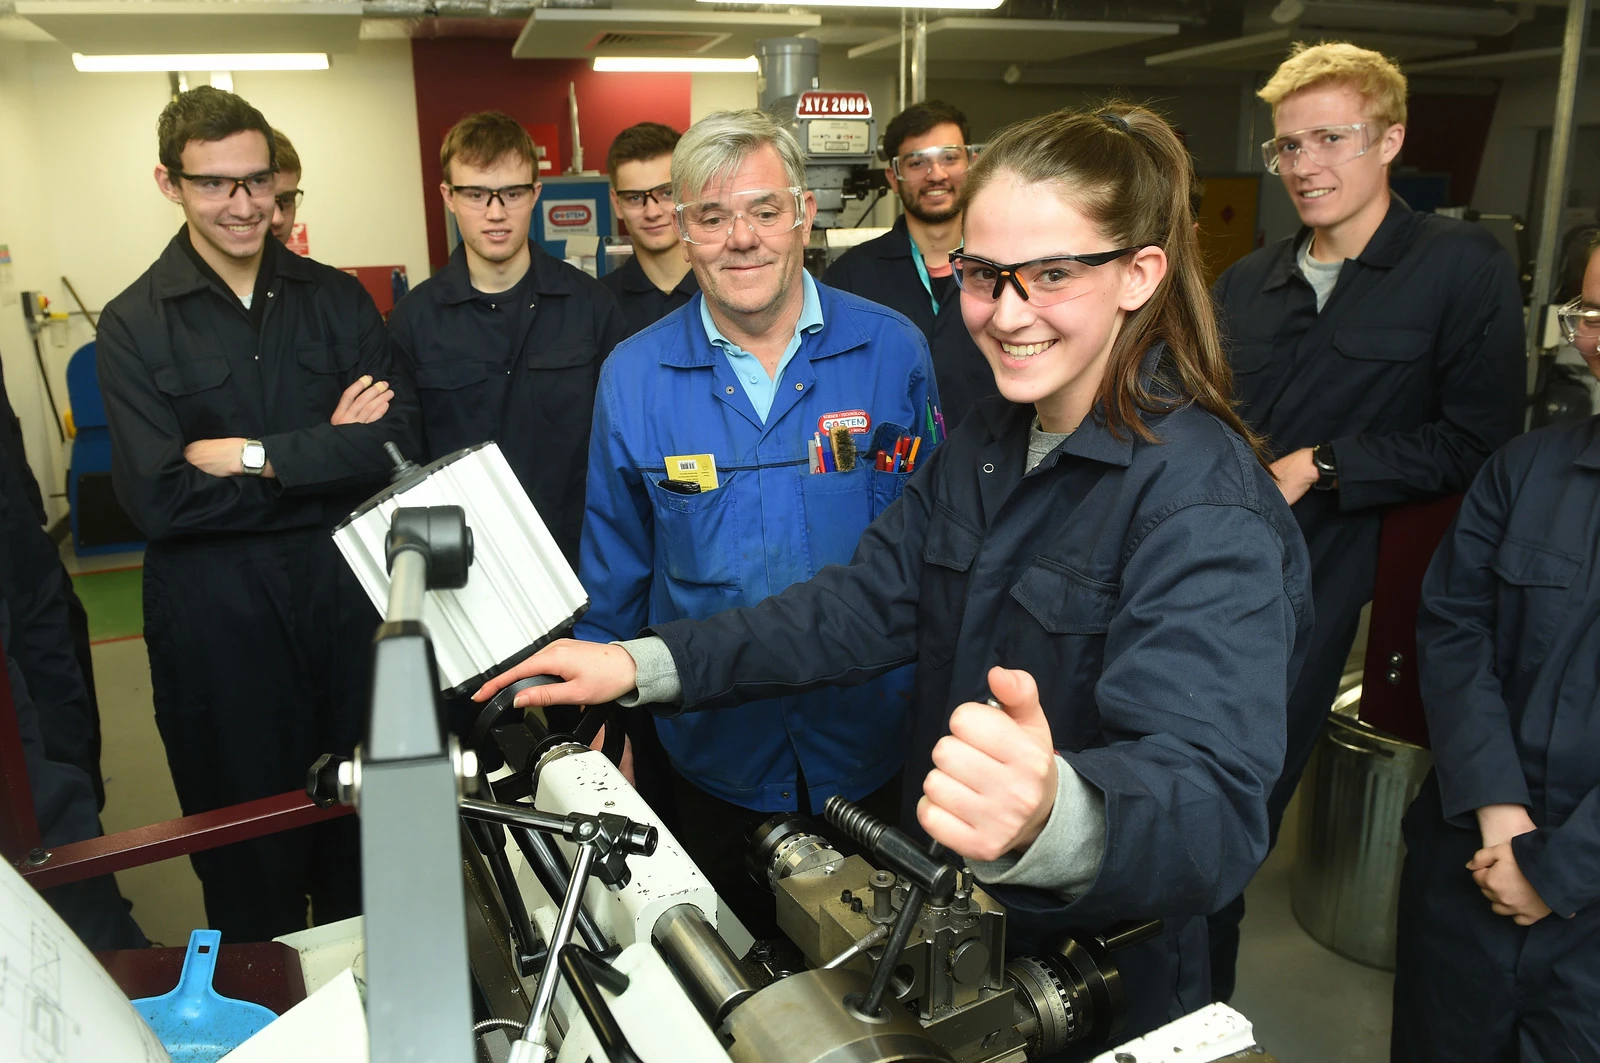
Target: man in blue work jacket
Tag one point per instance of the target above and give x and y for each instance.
(1499, 948)
(702, 493)
(908, 268)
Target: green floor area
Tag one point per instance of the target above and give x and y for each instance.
(114, 601)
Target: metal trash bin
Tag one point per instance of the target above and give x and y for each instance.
(1345, 885)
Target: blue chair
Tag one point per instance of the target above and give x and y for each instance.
(99, 524)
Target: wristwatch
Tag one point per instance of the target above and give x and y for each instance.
(1327, 468)
(253, 457)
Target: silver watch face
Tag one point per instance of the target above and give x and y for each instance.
(254, 458)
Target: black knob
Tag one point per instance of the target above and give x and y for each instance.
(322, 780)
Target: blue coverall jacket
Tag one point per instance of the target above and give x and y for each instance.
(650, 555)
(1508, 643)
(1158, 593)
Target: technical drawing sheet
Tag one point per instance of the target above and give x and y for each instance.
(57, 1004)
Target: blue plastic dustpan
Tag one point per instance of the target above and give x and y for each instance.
(195, 1024)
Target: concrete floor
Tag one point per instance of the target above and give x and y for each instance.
(1308, 1004)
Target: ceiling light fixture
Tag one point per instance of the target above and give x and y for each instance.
(943, 5)
(126, 64)
(645, 64)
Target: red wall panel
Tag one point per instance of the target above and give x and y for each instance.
(456, 76)
(1448, 134)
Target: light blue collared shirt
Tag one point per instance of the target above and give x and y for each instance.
(752, 375)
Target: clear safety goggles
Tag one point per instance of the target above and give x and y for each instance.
(1331, 145)
(1580, 324)
(767, 212)
(951, 158)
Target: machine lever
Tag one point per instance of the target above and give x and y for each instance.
(586, 974)
(893, 848)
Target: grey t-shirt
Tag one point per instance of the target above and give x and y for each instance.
(1322, 275)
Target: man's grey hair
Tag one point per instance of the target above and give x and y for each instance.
(713, 148)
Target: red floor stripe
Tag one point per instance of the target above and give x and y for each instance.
(118, 638)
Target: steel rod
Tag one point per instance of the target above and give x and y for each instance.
(1573, 43)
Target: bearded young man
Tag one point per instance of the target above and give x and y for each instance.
(908, 268)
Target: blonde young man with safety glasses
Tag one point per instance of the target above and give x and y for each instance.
(702, 493)
(908, 268)
(1379, 349)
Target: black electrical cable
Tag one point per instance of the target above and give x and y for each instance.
(863, 217)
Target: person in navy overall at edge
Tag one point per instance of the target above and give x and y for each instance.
(1100, 546)
(657, 279)
(908, 268)
(743, 378)
(1379, 349)
(1499, 949)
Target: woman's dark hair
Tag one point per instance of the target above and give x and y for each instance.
(1124, 168)
(206, 114)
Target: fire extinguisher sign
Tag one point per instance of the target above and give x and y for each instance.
(569, 217)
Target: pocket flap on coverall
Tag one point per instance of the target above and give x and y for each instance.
(327, 357)
(1065, 602)
(1531, 565)
(950, 544)
(566, 357)
(1249, 356)
(448, 376)
(191, 375)
(1382, 344)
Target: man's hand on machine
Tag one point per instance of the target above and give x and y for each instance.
(994, 779)
(593, 673)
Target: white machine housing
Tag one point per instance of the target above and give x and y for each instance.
(521, 590)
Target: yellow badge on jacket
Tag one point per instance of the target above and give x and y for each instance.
(693, 468)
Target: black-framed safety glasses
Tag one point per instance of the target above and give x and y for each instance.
(636, 198)
(223, 186)
(289, 200)
(1040, 281)
(480, 198)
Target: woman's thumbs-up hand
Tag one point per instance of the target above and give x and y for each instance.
(993, 783)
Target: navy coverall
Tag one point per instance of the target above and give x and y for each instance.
(1508, 643)
(79, 745)
(1160, 595)
(52, 705)
(1413, 372)
(882, 270)
(518, 367)
(643, 304)
(259, 635)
